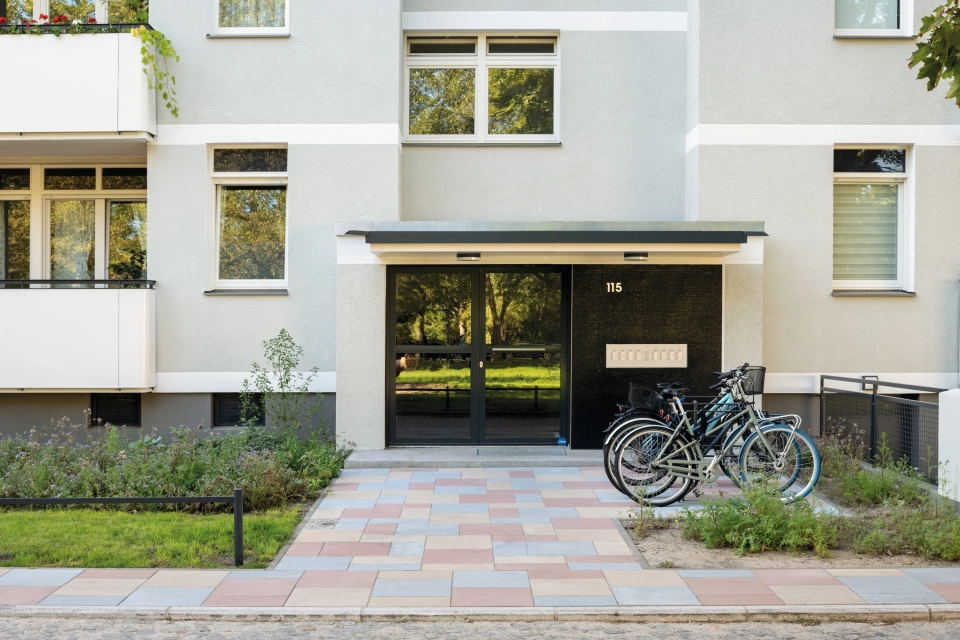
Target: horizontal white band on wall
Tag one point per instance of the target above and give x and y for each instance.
(227, 382)
(544, 20)
(182, 134)
(810, 382)
(821, 134)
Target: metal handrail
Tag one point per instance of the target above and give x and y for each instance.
(28, 284)
(880, 383)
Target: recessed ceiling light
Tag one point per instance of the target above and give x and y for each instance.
(470, 257)
(640, 256)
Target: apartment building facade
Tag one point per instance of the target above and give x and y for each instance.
(481, 220)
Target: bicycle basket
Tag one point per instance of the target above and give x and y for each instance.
(753, 380)
(643, 397)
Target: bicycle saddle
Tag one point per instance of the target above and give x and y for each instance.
(668, 385)
(673, 392)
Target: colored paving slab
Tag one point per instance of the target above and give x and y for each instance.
(471, 537)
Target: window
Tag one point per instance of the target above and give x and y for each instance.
(873, 18)
(120, 409)
(228, 410)
(870, 227)
(250, 192)
(16, 10)
(482, 89)
(14, 223)
(250, 17)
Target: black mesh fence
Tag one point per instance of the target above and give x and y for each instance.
(897, 428)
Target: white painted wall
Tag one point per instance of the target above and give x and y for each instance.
(77, 339)
(80, 83)
(948, 443)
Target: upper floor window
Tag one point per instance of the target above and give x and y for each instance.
(251, 17)
(482, 89)
(873, 18)
(870, 230)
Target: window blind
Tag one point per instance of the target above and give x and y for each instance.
(865, 231)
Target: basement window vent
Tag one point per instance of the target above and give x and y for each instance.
(227, 410)
(120, 409)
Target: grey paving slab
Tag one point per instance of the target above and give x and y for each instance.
(406, 549)
(347, 504)
(612, 497)
(351, 524)
(460, 508)
(934, 576)
(266, 575)
(392, 498)
(547, 512)
(38, 577)
(716, 573)
(398, 521)
(574, 601)
(457, 490)
(654, 595)
(533, 483)
(364, 473)
(411, 588)
(902, 598)
(528, 498)
(384, 566)
(386, 485)
(883, 584)
(167, 597)
(601, 566)
(427, 529)
(314, 563)
(560, 549)
(81, 601)
(490, 579)
(509, 548)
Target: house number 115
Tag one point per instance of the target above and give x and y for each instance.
(614, 287)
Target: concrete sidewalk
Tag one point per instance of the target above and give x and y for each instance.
(539, 541)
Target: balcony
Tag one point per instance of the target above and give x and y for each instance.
(77, 339)
(88, 87)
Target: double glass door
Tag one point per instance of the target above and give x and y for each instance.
(479, 355)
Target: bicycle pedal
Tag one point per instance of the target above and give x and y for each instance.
(697, 493)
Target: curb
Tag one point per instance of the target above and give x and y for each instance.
(798, 614)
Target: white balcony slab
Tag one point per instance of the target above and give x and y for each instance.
(77, 339)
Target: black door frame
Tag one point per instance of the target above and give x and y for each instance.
(477, 351)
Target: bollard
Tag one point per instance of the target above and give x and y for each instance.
(238, 527)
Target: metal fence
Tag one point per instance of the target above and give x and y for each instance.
(903, 423)
(236, 499)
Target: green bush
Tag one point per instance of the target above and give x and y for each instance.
(64, 461)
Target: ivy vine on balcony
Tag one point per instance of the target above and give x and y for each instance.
(155, 48)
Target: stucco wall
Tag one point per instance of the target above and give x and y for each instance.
(621, 154)
(742, 315)
(544, 5)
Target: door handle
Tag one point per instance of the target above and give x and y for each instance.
(481, 364)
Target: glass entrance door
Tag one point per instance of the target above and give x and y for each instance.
(478, 355)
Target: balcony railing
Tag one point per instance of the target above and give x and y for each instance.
(89, 82)
(87, 335)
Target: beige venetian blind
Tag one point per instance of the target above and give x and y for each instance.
(865, 231)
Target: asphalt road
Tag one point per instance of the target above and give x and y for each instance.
(69, 629)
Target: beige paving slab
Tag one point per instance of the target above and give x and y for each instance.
(435, 574)
(409, 602)
(582, 587)
(612, 548)
(538, 529)
(460, 518)
(641, 578)
(377, 538)
(490, 475)
(530, 560)
(459, 542)
(589, 535)
(327, 514)
(603, 512)
(457, 567)
(514, 505)
(329, 597)
(3, 571)
(499, 486)
(386, 560)
(352, 495)
(571, 477)
(99, 587)
(429, 497)
(420, 513)
(817, 594)
(359, 479)
(401, 475)
(330, 535)
(175, 578)
(568, 493)
(850, 573)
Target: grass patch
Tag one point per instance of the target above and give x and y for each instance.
(120, 539)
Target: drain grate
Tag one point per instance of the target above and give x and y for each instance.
(521, 451)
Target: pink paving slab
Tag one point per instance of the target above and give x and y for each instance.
(253, 587)
(794, 577)
(528, 566)
(422, 486)
(380, 529)
(727, 586)
(245, 601)
(521, 474)
(599, 559)
(949, 591)
(304, 549)
(337, 579)
(504, 513)
(380, 511)
(345, 486)
(524, 539)
(356, 549)
(491, 529)
(490, 497)
(571, 502)
(492, 597)
(24, 595)
(462, 482)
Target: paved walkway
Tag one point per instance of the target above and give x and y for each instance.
(429, 538)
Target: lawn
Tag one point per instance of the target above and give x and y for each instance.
(119, 539)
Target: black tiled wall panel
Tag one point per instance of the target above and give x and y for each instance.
(658, 304)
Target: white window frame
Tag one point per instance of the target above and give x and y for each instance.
(905, 222)
(254, 179)
(19, 195)
(216, 31)
(480, 63)
(905, 30)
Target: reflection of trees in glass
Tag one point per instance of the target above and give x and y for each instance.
(252, 13)
(70, 179)
(867, 14)
(869, 160)
(72, 239)
(19, 10)
(521, 101)
(442, 101)
(128, 11)
(15, 240)
(128, 241)
(523, 308)
(433, 308)
(243, 160)
(73, 9)
(252, 233)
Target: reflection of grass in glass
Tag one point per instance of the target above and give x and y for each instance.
(498, 374)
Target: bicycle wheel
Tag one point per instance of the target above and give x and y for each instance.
(792, 461)
(654, 486)
(730, 461)
(611, 446)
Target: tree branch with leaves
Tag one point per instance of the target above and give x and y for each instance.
(939, 55)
